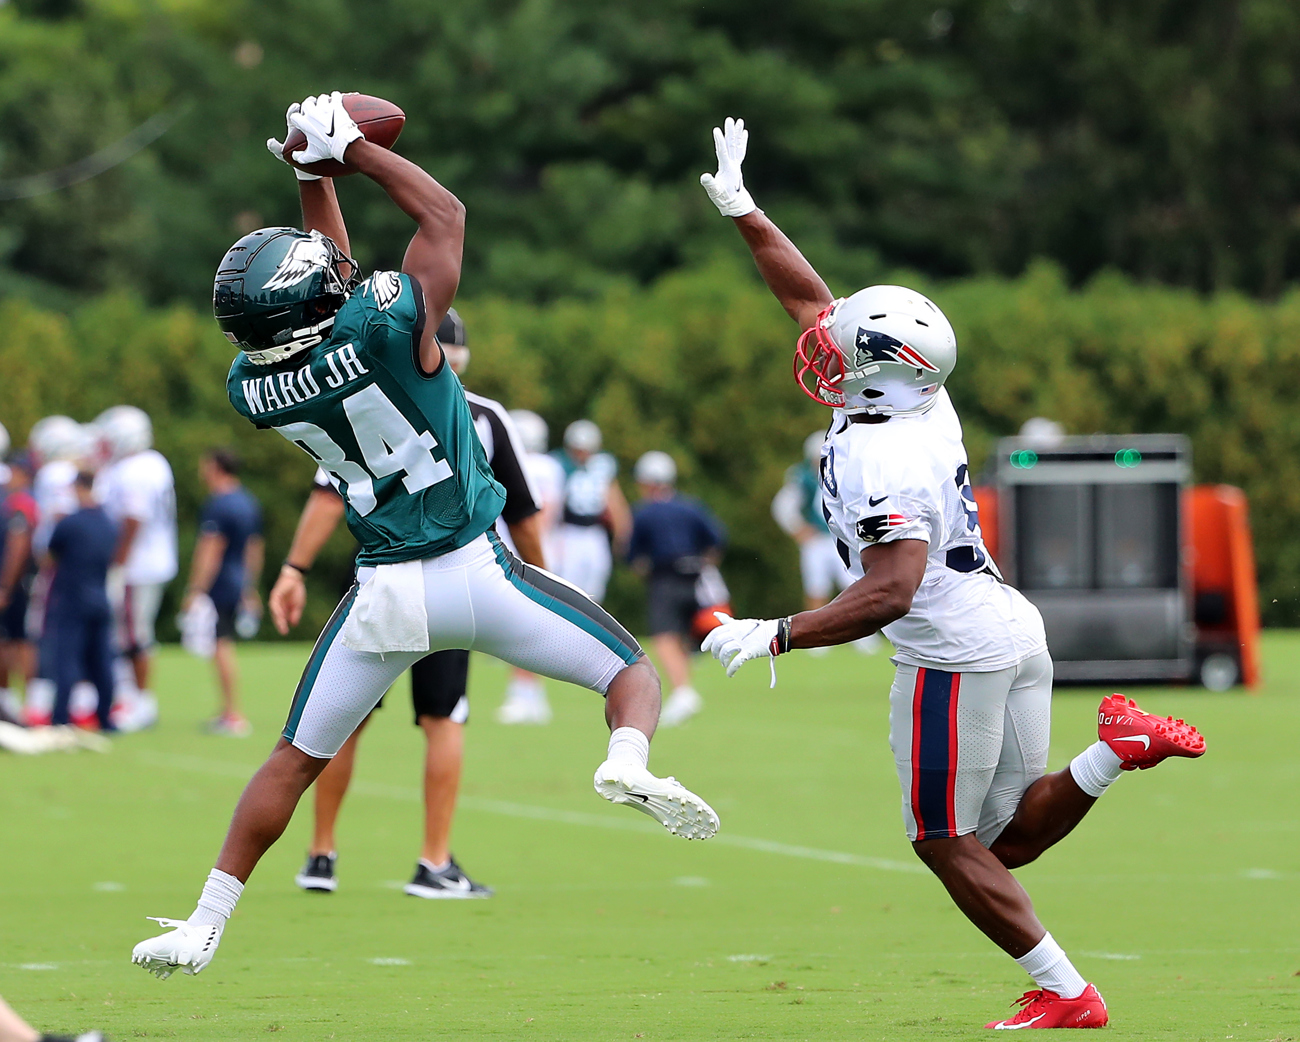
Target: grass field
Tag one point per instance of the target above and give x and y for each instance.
(807, 918)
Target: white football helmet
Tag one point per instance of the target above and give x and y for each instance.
(582, 435)
(125, 430)
(812, 446)
(532, 429)
(886, 350)
(655, 468)
(60, 438)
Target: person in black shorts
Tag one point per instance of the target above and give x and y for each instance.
(18, 517)
(438, 681)
(675, 540)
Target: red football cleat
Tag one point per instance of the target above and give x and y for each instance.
(1046, 1009)
(1140, 739)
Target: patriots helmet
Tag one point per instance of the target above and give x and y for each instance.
(60, 438)
(277, 291)
(885, 351)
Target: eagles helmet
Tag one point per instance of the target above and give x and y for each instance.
(886, 351)
(277, 291)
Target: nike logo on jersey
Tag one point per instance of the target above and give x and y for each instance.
(1146, 742)
(875, 501)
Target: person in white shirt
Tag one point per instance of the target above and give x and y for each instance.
(525, 701)
(138, 491)
(970, 707)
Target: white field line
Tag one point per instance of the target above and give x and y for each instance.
(625, 823)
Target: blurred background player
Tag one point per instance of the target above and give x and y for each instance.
(594, 511)
(17, 569)
(674, 540)
(439, 681)
(797, 508)
(59, 446)
(78, 639)
(525, 701)
(226, 567)
(138, 491)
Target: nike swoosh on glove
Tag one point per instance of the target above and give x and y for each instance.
(328, 127)
(276, 148)
(737, 641)
(727, 187)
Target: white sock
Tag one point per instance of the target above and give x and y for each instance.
(217, 902)
(1095, 768)
(435, 868)
(1052, 970)
(628, 745)
(686, 691)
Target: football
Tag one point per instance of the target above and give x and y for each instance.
(380, 121)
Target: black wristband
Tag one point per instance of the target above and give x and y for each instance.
(296, 567)
(781, 642)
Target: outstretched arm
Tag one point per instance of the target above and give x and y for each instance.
(792, 280)
(321, 213)
(433, 258)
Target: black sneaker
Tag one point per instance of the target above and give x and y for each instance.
(318, 873)
(450, 882)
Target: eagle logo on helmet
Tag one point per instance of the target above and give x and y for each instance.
(871, 347)
(303, 257)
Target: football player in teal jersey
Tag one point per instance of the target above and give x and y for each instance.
(352, 373)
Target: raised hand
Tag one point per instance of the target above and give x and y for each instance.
(727, 187)
(276, 148)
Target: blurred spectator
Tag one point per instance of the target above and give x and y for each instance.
(59, 446)
(139, 493)
(17, 569)
(674, 540)
(594, 509)
(525, 701)
(226, 567)
(797, 508)
(78, 623)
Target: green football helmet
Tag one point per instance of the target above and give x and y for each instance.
(277, 291)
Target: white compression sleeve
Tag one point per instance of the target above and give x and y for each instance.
(1095, 768)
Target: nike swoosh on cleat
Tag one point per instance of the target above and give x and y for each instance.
(1146, 742)
(1026, 1024)
(639, 796)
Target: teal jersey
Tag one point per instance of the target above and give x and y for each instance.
(399, 446)
(803, 477)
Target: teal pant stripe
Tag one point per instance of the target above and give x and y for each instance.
(566, 602)
(309, 674)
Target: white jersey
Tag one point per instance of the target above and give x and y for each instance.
(547, 478)
(55, 499)
(140, 486)
(908, 478)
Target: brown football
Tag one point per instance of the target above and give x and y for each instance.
(380, 121)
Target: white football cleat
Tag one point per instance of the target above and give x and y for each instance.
(666, 800)
(187, 947)
(519, 709)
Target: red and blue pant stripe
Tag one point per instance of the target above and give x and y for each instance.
(934, 753)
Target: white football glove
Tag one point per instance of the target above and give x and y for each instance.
(276, 148)
(737, 641)
(328, 127)
(727, 187)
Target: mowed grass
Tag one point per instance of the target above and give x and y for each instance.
(806, 919)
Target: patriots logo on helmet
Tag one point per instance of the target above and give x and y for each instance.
(873, 529)
(385, 287)
(303, 257)
(870, 346)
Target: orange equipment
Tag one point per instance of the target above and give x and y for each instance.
(1223, 582)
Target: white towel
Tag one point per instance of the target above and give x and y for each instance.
(389, 612)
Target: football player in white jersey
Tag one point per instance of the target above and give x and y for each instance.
(525, 701)
(138, 491)
(594, 509)
(971, 700)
